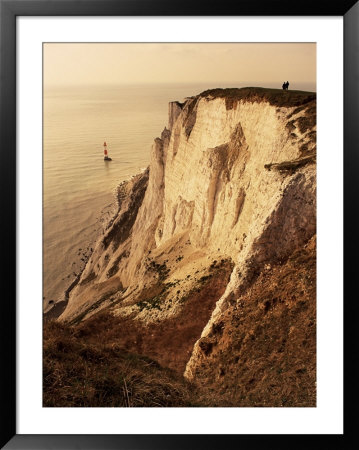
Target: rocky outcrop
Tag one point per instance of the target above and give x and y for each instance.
(231, 189)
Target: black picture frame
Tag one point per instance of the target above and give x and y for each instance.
(9, 10)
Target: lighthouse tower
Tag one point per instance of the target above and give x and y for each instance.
(105, 152)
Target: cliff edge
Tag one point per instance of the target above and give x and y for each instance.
(209, 263)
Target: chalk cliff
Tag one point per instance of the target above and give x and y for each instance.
(229, 198)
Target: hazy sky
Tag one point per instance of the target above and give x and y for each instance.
(74, 64)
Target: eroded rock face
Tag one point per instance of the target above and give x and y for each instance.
(231, 186)
(100, 281)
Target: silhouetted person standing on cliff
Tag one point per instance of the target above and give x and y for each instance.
(285, 86)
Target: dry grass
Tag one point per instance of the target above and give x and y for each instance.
(82, 372)
(275, 97)
(293, 165)
(263, 353)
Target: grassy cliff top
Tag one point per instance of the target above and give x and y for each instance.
(276, 97)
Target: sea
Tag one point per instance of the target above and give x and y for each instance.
(79, 187)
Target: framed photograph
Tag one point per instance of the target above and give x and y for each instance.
(175, 182)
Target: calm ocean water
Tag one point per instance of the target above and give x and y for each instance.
(79, 186)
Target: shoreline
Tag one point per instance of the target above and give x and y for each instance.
(59, 307)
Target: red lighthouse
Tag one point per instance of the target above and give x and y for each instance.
(105, 153)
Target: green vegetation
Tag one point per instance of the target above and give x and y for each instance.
(156, 301)
(151, 303)
(160, 269)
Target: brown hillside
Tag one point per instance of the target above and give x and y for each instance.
(264, 348)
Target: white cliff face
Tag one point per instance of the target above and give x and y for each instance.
(214, 176)
(208, 194)
(290, 224)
